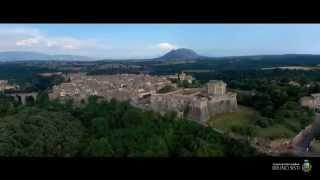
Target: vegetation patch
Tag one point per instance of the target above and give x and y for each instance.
(241, 118)
(246, 122)
(106, 129)
(166, 89)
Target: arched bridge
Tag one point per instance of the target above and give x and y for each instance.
(22, 97)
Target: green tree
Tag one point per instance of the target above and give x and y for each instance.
(99, 148)
(34, 132)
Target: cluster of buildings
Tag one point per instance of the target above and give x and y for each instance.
(142, 91)
(4, 85)
(312, 101)
(121, 87)
(181, 77)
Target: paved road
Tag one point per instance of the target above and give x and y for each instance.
(300, 143)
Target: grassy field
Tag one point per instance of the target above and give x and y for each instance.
(243, 117)
(243, 122)
(275, 132)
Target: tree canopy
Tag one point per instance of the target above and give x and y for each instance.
(107, 129)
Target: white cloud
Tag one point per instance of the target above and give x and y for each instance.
(51, 43)
(166, 46)
(27, 38)
(67, 43)
(21, 38)
(29, 41)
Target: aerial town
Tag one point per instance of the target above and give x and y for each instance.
(95, 96)
(143, 91)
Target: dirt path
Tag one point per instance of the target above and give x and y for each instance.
(300, 145)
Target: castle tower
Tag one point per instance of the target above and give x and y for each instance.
(316, 101)
(216, 88)
(182, 76)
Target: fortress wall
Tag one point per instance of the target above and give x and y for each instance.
(222, 104)
(169, 102)
(193, 108)
(198, 110)
(189, 107)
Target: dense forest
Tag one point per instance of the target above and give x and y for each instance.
(239, 63)
(27, 77)
(105, 129)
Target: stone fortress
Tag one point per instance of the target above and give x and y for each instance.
(197, 103)
(142, 91)
(312, 101)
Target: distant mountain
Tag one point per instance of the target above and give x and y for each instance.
(31, 56)
(180, 54)
(269, 56)
(21, 55)
(71, 58)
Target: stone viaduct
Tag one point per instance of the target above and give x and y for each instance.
(22, 97)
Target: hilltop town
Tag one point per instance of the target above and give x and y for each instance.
(147, 92)
(158, 91)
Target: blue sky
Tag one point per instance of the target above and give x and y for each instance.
(152, 40)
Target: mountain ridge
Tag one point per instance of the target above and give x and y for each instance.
(180, 54)
(32, 56)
